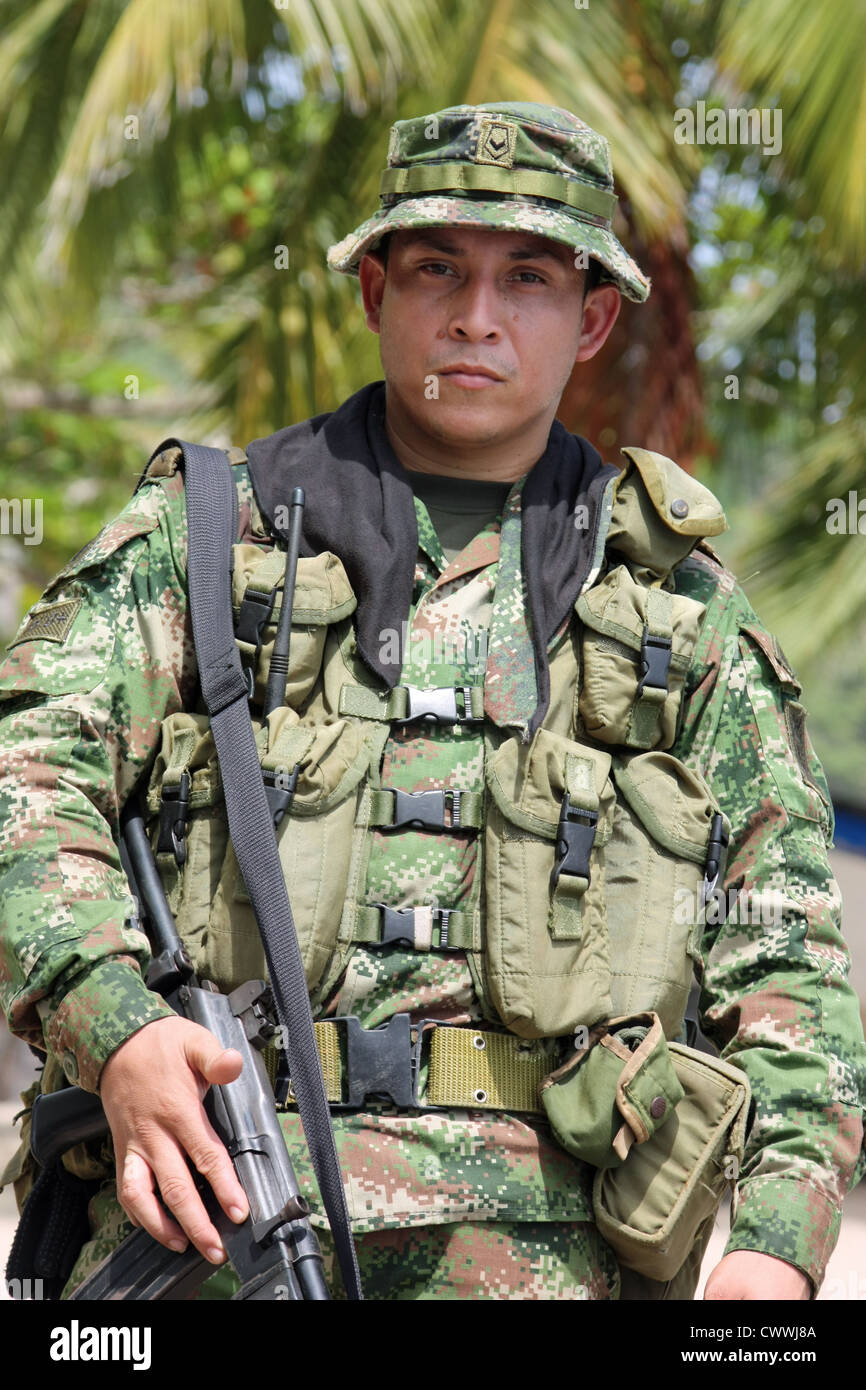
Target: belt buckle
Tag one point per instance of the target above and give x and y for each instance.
(384, 1062)
(379, 1063)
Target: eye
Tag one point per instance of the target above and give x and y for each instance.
(535, 277)
(435, 266)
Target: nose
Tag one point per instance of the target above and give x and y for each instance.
(475, 311)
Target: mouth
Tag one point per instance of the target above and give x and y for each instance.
(471, 376)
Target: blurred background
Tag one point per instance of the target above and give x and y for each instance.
(173, 173)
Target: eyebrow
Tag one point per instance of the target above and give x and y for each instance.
(520, 253)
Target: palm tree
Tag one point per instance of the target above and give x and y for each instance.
(127, 109)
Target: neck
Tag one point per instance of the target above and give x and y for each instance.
(502, 460)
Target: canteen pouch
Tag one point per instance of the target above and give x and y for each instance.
(613, 1092)
(652, 1207)
(637, 644)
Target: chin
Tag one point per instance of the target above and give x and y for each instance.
(459, 423)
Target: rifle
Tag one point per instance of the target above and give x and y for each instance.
(275, 1252)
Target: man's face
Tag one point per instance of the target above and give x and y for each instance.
(479, 329)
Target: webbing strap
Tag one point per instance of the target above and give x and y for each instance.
(644, 723)
(445, 809)
(402, 702)
(587, 198)
(460, 935)
(211, 501)
(468, 1067)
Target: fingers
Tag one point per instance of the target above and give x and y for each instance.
(152, 1091)
(135, 1191)
(211, 1159)
(160, 1170)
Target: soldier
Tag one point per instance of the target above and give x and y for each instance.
(525, 695)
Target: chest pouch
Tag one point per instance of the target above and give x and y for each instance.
(315, 761)
(636, 644)
(550, 816)
(666, 848)
(596, 873)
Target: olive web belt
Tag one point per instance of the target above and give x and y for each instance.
(422, 1066)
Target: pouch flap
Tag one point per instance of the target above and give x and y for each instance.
(614, 1092)
(187, 746)
(620, 608)
(332, 757)
(648, 1090)
(660, 512)
(323, 593)
(671, 800)
(683, 504)
(528, 781)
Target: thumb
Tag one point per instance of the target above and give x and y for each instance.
(216, 1064)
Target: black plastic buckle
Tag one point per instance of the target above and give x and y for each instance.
(280, 798)
(256, 607)
(173, 824)
(379, 1063)
(655, 655)
(398, 925)
(439, 705)
(425, 810)
(255, 610)
(717, 856)
(574, 840)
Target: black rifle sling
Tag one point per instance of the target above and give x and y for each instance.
(211, 504)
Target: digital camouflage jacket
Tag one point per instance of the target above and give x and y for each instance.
(107, 655)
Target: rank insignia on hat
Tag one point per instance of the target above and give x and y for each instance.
(496, 141)
(49, 624)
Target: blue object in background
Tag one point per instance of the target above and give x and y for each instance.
(850, 828)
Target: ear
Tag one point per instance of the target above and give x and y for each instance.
(371, 273)
(600, 310)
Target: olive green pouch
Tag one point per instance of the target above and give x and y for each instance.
(651, 1208)
(614, 1092)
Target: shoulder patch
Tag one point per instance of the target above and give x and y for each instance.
(769, 645)
(50, 623)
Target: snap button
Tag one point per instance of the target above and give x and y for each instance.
(679, 507)
(658, 1107)
(70, 1067)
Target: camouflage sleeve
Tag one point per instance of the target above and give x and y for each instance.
(775, 997)
(96, 665)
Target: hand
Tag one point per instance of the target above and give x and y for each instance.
(152, 1090)
(749, 1274)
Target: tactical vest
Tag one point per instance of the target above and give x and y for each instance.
(592, 835)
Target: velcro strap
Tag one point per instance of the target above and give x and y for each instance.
(445, 809)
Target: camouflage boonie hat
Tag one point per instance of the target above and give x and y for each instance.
(513, 165)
